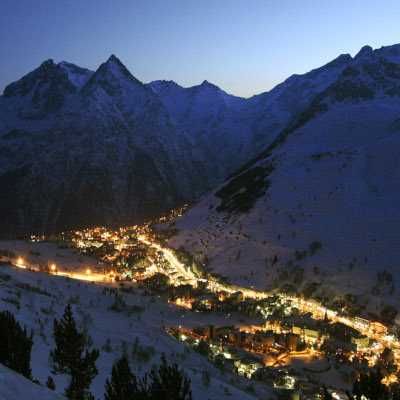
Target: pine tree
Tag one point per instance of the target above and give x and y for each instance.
(168, 383)
(16, 345)
(370, 385)
(50, 383)
(123, 384)
(327, 395)
(68, 358)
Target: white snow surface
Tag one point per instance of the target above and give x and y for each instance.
(336, 181)
(91, 310)
(14, 386)
(77, 75)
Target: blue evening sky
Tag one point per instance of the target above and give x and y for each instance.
(245, 47)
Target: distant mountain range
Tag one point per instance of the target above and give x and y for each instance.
(318, 211)
(79, 148)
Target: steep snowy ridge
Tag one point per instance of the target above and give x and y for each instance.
(323, 198)
(77, 75)
(232, 130)
(215, 122)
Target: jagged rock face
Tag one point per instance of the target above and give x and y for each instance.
(231, 130)
(105, 154)
(41, 92)
(79, 147)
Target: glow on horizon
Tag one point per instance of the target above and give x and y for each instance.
(244, 47)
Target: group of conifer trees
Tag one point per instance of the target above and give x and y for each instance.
(16, 345)
(72, 357)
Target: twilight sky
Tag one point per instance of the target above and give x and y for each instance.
(245, 47)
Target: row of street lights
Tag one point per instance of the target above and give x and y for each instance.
(53, 267)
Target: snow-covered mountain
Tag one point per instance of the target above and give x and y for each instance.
(79, 147)
(229, 130)
(218, 124)
(105, 153)
(322, 202)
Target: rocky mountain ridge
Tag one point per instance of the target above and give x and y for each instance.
(79, 147)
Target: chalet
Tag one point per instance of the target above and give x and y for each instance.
(250, 366)
(223, 295)
(234, 335)
(223, 331)
(267, 339)
(271, 322)
(208, 300)
(307, 387)
(184, 292)
(292, 341)
(209, 331)
(310, 332)
(197, 306)
(247, 337)
(361, 341)
(138, 273)
(269, 375)
(226, 364)
(157, 280)
(340, 347)
(247, 306)
(236, 298)
(343, 332)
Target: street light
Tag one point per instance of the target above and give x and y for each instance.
(20, 261)
(88, 271)
(53, 267)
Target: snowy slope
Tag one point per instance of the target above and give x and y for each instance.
(15, 386)
(330, 177)
(77, 75)
(91, 304)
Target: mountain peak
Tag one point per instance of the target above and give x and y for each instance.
(366, 50)
(205, 84)
(115, 62)
(47, 73)
(47, 62)
(160, 85)
(113, 58)
(46, 65)
(115, 67)
(111, 72)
